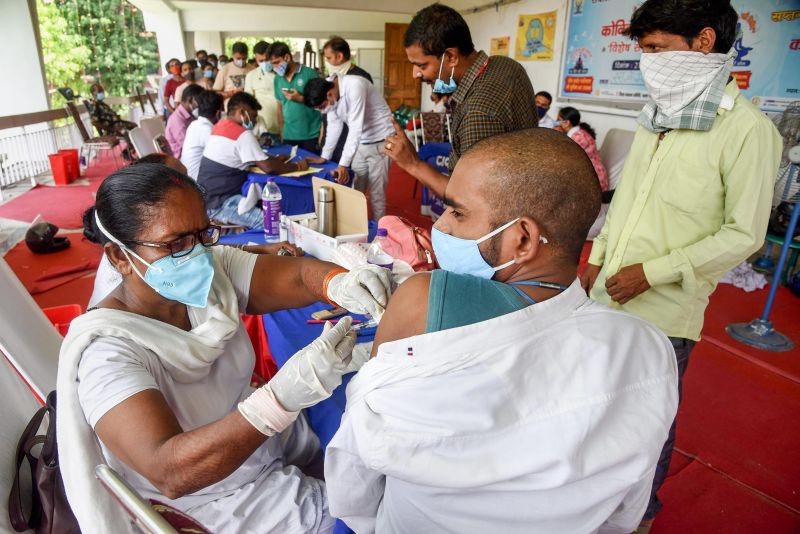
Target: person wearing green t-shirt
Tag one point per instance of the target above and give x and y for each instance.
(299, 124)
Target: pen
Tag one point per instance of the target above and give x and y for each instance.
(323, 321)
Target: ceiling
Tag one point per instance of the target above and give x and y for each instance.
(384, 6)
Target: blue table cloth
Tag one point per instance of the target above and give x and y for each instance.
(297, 193)
(288, 332)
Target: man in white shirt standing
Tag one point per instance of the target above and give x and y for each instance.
(260, 83)
(209, 107)
(354, 101)
(502, 399)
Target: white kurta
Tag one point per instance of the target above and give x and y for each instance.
(553, 423)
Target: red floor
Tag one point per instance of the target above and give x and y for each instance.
(736, 467)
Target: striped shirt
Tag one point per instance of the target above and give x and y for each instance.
(495, 96)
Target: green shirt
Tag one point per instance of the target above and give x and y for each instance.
(459, 299)
(689, 208)
(300, 122)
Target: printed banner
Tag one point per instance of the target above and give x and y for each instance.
(535, 37)
(599, 63)
(499, 46)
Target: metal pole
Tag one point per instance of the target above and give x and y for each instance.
(776, 277)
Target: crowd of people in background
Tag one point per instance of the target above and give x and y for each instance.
(590, 445)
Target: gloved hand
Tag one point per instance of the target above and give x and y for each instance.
(364, 289)
(361, 355)
(307, 378)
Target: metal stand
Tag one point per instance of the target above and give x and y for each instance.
(759, 333)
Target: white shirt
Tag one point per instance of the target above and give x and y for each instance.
(264, 494)
(547, 122)
(553, 423)
(230, 144)
(366, 114)
(194, 143)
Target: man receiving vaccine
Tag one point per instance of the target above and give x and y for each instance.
(502, 399)
(695, 194)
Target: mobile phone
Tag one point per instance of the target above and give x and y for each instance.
(285, 89)
(328, 314)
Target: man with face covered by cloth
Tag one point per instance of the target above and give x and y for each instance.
(501, 398)
(695, 195)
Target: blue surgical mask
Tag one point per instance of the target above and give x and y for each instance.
(445, 88)
(208, 73)
(100, 96)
(280, 70)
(266, 66)
(247, 123)
(186, 279)
(462, 256)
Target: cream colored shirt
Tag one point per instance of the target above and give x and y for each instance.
(689, 208)
(261, 85)
(224, 80)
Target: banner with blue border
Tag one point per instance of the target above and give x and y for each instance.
(600, 64)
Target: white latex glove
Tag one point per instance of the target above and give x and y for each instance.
(361, 354)
(314, 372)
(305, 379)
(364, 289)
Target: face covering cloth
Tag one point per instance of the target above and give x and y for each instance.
(685, 88)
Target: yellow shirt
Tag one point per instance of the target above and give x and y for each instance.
(261, 85)
(689, 208)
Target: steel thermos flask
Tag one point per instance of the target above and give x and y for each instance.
(327, 212)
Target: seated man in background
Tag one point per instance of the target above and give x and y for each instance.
(106, 120)
(230, 151)
(354, 101)
(184, 114)
(502, 398)
(543, 101)
(209, 111)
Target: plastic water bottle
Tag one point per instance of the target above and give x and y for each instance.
(380, 251)
(271, 203)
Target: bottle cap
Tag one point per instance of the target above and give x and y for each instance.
(382, 232)
(325, 194)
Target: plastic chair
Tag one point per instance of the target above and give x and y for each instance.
(91, 144)
(149, 517)
(615, 148)
(154, 126)
(765, 264)
(161, 144)
(142, 142)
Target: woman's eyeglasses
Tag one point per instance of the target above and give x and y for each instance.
(182, 246)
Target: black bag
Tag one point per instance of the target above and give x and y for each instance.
(50, 511)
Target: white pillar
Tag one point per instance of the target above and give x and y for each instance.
(21, 56)
(211, 42)
(166, 24)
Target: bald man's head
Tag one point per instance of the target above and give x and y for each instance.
(542, 174)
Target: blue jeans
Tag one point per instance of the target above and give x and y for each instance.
(228, 213)
(683, 348)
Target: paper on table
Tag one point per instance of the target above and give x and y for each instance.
(293, 153)
(296, 174)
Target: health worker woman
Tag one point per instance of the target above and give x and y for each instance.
(155, 380)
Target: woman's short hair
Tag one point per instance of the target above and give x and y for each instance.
(126, 198)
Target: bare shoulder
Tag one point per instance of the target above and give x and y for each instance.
(406, 313)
